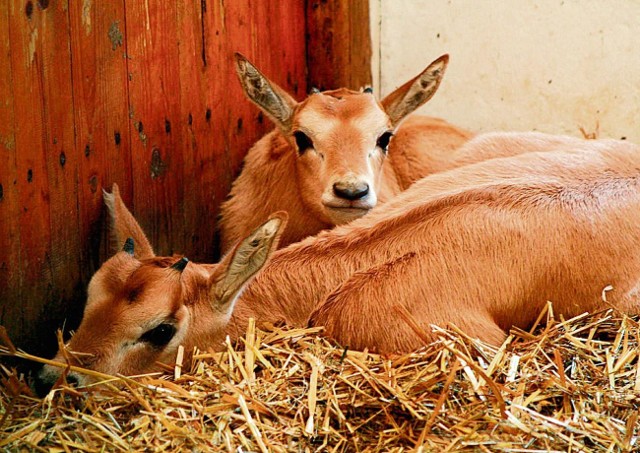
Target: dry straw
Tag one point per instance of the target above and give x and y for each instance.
(572, 386)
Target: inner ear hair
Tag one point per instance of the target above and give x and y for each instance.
(416, 91)
(271, 99)
(249, 256)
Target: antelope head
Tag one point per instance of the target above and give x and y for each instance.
(340, 138)
(141, 307)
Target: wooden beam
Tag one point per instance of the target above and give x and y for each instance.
(338, 44)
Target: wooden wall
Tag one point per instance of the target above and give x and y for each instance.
(142, 94)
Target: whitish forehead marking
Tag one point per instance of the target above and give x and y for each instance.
(322, 123)
(318, 123)
(371, 119)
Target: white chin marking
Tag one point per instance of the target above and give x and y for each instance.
(340, 216)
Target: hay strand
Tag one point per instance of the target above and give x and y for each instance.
(572, 385)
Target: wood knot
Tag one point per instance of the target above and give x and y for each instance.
(93, 183)
(158, 167)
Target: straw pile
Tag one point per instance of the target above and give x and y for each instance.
(573, 386)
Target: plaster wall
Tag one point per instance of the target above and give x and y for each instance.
(549, 65)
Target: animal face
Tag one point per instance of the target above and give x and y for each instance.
(340, 137)
(140, 307)
(136, 313)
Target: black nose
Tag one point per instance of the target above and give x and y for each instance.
(45, 380)
(42, 384)
(350, 191)
(72, 379)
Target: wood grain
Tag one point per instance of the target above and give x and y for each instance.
(143, 94)
(101, 116)
(338, 44)
(31, 177)
(10, 269)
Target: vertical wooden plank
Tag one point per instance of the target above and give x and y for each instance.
(101, 118)
(338, 43)
(10, 273)
(154, 98)
(236, 26)
(43, 137)
(271, 35)
(61, 157)
(201, 124)
(45, 167)
(25, 30)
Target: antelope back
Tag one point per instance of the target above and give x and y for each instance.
(484, 246)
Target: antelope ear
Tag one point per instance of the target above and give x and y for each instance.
(126, 231)
(415, 92)
(238, 267)
(272, 100)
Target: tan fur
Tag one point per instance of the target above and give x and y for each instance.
(344, 126)
(123, 225)
(130, 296)
(483, 246)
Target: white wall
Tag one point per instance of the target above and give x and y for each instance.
(547, 65)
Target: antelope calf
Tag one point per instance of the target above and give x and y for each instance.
(483, 246)
(335, 155)
(140, 307)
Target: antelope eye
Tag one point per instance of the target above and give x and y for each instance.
(383, 141)
(303, 142)
(160, 335)
(133, 294)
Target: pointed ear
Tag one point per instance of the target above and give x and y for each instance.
(124, 226)
(415, 92)
(238, 267)
(271, 99)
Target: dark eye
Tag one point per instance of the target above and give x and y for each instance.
(303, 142)
(159, 336)
(133, 294)
(383, 141)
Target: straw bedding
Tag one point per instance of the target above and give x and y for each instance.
(570, 386)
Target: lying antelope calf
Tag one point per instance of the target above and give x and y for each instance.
(483, 246)
(332, 157)
(140, 307)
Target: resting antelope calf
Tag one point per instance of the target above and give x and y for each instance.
(140, 307)
(332, 158)
(483, 246)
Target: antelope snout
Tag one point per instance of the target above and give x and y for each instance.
(348, 198)
(47, 377)
(351, 190)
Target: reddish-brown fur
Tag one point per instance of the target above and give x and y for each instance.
(483, 246)
(344, 126)
(135, 293)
